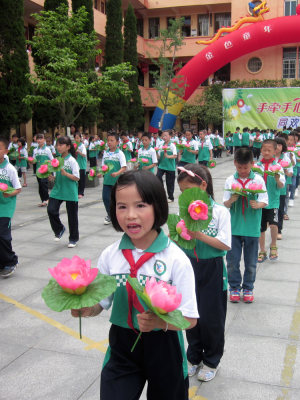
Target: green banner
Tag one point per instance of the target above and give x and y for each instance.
(272, 108)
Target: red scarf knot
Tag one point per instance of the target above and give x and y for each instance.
(244, 199)
(266, 164)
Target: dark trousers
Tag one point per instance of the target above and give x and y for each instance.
(8, 258)
(81, 183)
(55, 222)
(170, 181)
(93, 162)
(43, 188)
(256, 152)
(281, 212)
(106, 192)
(206, 339)
(157, 358)
(203, 162)
(249, 245)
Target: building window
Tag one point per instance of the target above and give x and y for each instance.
(96, 4)
(103, 7)
(221, 20)
(153, 75)
(153, 28)
(140, 26)
(168, 21)
(290, 7)
(186, 27)
(203, 25)
(289, 63)
(254, 64)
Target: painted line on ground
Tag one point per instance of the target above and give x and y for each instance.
(91, 344)
(290, 355)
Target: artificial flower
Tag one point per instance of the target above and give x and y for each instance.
(255, 186)
(3, 186)
(144, 160)
(43, 169)
(236, 186)
(133, 160)
(104, 168)
(181, 229)
(198, 210)
(30, 159)
(55, 162)
(275, 168)
(163, 296)
(92, 172)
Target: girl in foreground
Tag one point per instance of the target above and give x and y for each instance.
(139, 208)
(206, 339)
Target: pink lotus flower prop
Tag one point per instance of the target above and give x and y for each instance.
(292, 149)
(75, 145)
(30, 159)
(284, 164)
(101, 143)
(144, 160)
(74, 275)
(198, 210)
(104, 168)
(43, 169)
(55, 162)
(156, 148)
(92, 173)
(165, 148)
(182, 231)
(124, 146)
(3, 187)
(274, 168)
(236, 187)
(133, 160)
(187, 145)
(255, 186)
(163, 296)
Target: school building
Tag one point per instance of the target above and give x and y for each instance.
(202, 19)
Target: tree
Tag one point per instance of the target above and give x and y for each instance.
(14, 84)
(63, 82)
(88, 4)
(135, 108)
(52, 5)
(169, 87)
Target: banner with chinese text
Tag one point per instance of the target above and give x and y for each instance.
(263, 108)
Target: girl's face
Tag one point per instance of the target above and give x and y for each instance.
(63, 149)
(185, 184)
(77, 138)
(278, 149)
(188, 135)
(112, 143)
(135, 217)
(146, 141)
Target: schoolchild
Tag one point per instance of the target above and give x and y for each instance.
(228, 144)
(126, 146)
(221, 144)
(204, 149)
(167, 164)
(82, 162)
(50, 145)
(282, 155)
(245, 138)
(188, 154)
(237, 139)
(21, 161)
(215, 141)
(293, 193)
(156, 139)
(93, 151)
(270, 212)
(256, 140)
(41, 154)
(139, 208)
(148, 153)
(115, 157)
(13, 147)
(65, 189)
(9, 176)
(245, 226)
(206, 339)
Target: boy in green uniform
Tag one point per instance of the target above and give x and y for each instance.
(245, 138)
(245, 226)
(205, 149)
(22, 159)
(237, 139)
(115, 157)
(189, 153)
(8, 176)
(146, 152)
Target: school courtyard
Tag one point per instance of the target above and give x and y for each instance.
(42, 357)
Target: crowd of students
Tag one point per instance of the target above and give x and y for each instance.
(137, 204)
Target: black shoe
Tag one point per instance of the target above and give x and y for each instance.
(7, 271)
(59, 236)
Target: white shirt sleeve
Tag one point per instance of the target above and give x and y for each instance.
(173, 148)
(75, 168)
(228, 183)
(49, 154)
(103, 267)
(222, 214)
(262, 197)
(13, 177)
(122, 159)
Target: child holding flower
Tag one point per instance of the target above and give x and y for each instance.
(139, 208)
(65, 189)
(82, 162)
(206, 339)
(147, 153)
(8, 178)
(189, 153)
(245, 224)
(167, 164)
(22, 159)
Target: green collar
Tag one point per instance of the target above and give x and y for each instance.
(159, 244)
(68, 156)
(251, 175)
(4, 164)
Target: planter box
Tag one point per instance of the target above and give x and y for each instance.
(89, 184)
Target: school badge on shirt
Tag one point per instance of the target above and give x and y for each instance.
(160, 267)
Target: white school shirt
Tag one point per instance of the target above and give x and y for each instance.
(128, 144)
(261, 197)
(170, 265)
(286, 157)
(174, 139)
(148, 153)
(192, 142)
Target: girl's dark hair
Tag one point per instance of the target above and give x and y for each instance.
(40, 136)
(114, 134)
(243, 155)
(147, 134)
(151, 191)
(22, 141)
(66, 140)
(78, 134)
(281, 140)
(204, 174)
(91, 138)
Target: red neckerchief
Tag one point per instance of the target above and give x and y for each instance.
(202, 144)
(134, 267)
(244, 199)
(266, 164)
(19, 151)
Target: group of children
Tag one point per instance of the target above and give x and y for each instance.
(137, 205)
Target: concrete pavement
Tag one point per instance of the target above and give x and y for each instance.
(41, 356)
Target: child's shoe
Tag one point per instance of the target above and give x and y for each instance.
(296, 193)
(248, 296)
(262, 256)
(107, 220)
(59, 236)
(7, 271)
(193, 370)
(291, 203)
(235, 295)
(273, 253)
(206, 373)
(71, 245)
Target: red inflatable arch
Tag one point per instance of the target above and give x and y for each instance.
(267, 33)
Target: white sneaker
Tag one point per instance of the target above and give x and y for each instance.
(296, 192)
(206, 373)
(291, 203)
(107, 220)
(170, 201)
(72, 244)
(193, 370)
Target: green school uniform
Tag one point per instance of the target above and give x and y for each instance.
(82, 161)
(22, 162)
(272, 189)
(65, 188)
(204, 150)
(187, 156)
(168, 164)
(236, 139)
(117, 160)
(8, 175)
(245, 139)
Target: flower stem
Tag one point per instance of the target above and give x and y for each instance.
(80, 335)
(135, 343)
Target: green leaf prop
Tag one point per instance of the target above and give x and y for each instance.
(180, 146)
(271, 173)
(13, 155)
(239, 192)
(211, 164)
(185, 199)
(90, 177)
(257, 170)
(59, 167)
(173, 220)
(8, 190)
(174, 318)
(59, 300)
(250, 191)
